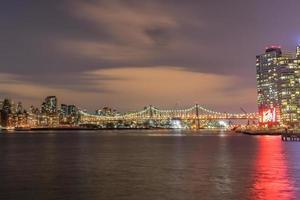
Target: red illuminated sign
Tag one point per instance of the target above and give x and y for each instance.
(268, 116)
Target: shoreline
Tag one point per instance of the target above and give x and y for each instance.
(72, 129)
(46, 129)
(262, 133)
(271, 132)
(26, 130)
(65, 129)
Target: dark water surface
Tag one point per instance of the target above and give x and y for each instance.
(147, 165)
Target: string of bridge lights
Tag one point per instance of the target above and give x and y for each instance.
(156, 111)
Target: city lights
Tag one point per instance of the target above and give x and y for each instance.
(50, 115)
(278, 87)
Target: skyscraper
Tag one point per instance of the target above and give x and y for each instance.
(278, 86)
(49, 106)
(50, 113)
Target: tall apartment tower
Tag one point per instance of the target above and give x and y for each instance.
(278, 86)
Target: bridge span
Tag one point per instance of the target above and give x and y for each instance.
(196, 113)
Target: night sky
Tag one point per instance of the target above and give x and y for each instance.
(131, 53)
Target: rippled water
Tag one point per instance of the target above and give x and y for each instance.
(147, 165)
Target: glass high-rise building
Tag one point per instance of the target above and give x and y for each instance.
(278, 87)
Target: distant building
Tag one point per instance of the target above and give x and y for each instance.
(49, 106)
(7, 105)
(106, 111)
(278, 88)
(72, 110)
(298, 52)
(6, 112)
(64, 109)
(1, 104)
(34, 117)
(50, 115)
(19, 108)
(68, 114)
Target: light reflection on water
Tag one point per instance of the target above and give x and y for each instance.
(148, 164)
(272, 179)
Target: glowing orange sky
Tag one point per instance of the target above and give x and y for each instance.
(136, 87)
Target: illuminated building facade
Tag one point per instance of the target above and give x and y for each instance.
(64, 109)
(50, 115)
(106, 111)
(6, 112)
(72, 110)
(13, 115)
(68, 114)
(278, 86)
(49, 106)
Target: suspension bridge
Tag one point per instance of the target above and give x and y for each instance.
(195, 113)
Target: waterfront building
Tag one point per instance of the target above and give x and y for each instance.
(7, 106)
(13, 115)
(6, 112)
(278, 86)
(20, 119)
(63, 112)
(73, 114)
(33, 118)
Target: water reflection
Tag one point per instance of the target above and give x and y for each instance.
(271, 178)
(132, 165)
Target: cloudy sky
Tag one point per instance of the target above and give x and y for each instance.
(131, 53)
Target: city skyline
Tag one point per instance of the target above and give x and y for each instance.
(150, 99)
(51, 115)
(145, 54)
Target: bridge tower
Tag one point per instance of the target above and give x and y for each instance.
(197, 117)
(151, 114)
(151, 111)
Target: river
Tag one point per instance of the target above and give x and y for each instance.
(147, 165)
